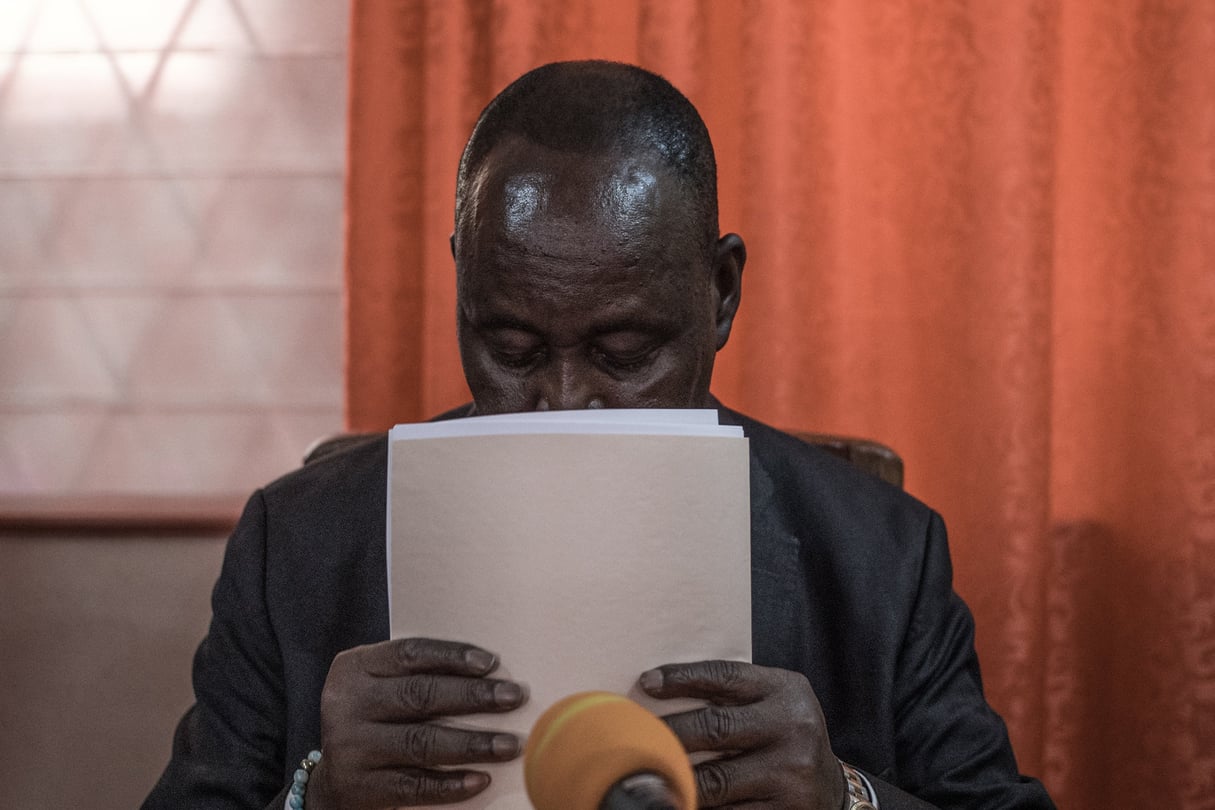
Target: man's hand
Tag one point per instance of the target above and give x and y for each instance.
(381, 746)
(768, 727)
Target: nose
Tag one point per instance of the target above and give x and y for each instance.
(566, 385)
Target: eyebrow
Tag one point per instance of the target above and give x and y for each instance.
(628, 323)
(504, 322)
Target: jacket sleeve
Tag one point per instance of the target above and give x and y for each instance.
(228, 750)
(953, 749)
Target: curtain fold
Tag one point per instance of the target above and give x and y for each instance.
(981, 232)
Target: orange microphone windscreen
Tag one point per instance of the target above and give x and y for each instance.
(586, 743)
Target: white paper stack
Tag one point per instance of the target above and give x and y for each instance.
(583, 547)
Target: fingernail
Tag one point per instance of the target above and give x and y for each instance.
(480, 660)
(507, 694)
(475, 781)
(504, 746)
(651, 680)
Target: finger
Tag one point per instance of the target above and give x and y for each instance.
(409, 656)
(721, 728)
(411, 787)
(729, 682)
(428, 745)
(422, 697)
(728, 782)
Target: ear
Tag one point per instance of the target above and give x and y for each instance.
(728, 261)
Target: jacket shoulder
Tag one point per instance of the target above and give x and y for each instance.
(333, 492)
(807, 479)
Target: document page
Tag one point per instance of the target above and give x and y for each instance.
(582, 547)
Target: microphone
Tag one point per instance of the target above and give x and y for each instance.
(602, 751)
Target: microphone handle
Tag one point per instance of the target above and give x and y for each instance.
(641, 791)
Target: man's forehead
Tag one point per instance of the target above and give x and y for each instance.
(526, 178)
(525, 198)
(565, 214)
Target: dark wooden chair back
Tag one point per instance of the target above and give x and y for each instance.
(872, 457)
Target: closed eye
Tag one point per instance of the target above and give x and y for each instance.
(518, 359)
(513, 347)
(624, 361)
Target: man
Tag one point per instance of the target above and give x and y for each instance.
(591, 274)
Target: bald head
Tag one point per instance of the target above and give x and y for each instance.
(601, 109)
(589, 268)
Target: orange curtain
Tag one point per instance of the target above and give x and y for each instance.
(983, 232)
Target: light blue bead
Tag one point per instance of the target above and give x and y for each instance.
(299, 781)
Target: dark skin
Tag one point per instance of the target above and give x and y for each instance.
(581, 284)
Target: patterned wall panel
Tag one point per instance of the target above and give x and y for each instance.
(170, 241)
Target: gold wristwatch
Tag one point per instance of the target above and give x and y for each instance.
(860, 792)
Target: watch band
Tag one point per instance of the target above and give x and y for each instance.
(860, 794)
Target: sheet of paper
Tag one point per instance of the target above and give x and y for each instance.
(581, 560)
(640, 421)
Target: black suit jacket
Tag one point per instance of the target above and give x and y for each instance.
(851, 586)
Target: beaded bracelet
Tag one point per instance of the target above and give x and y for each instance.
(299, 783)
